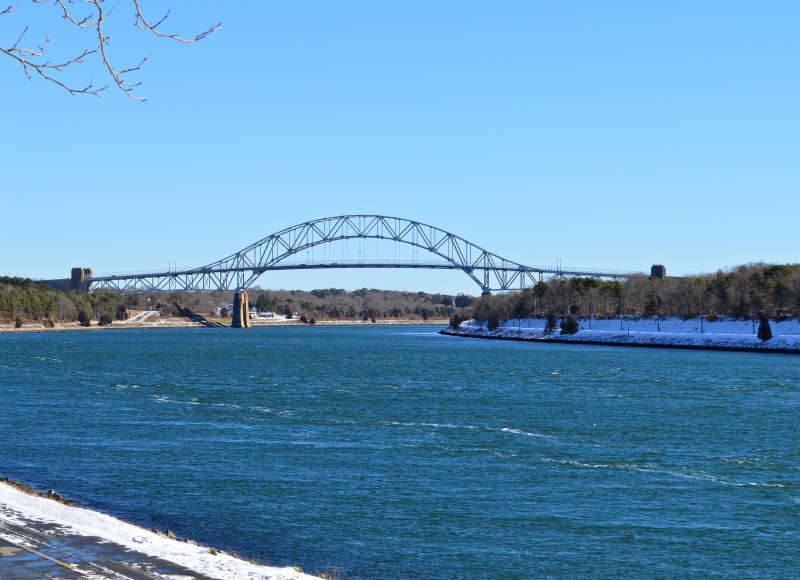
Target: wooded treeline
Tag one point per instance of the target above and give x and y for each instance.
(30, 300)
(751, 290)
(322, 304)
(24, 298)
(364, 304)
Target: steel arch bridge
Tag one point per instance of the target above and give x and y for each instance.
(241, 269)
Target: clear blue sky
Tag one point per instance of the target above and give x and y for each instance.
(610, 135)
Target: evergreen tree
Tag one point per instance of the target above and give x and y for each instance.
(764, 331)
(463, 301)
(83, 318)
(569, 325)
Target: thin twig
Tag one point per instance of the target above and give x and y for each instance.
(30, 59)
(143, 24)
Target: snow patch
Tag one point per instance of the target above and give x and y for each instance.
(18, 506)
(669, 331)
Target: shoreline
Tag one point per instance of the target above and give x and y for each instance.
(33, 328)
(25, 511)
(541, 338)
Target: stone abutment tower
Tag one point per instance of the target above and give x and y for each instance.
(241, 310)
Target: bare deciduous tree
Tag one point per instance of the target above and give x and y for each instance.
(92, 20)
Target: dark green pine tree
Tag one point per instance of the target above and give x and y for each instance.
(764, 331)
(83, 318)
(569, 325)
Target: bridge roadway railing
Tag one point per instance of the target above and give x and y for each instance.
(198, 280)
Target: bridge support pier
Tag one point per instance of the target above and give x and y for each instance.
(241, 310)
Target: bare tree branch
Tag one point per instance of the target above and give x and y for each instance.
(143, 24)
(33, 60)
(83, 23)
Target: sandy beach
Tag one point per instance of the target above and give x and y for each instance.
(155, 321)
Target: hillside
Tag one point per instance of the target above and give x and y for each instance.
(32, 301)
(753, 290)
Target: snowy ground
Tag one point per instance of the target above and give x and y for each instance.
(21, 509)
(670, 331)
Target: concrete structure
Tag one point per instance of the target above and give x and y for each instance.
(78, 280)
(241, 310)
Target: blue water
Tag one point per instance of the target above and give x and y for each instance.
(397, 452)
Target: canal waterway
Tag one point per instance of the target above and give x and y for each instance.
(398, 452)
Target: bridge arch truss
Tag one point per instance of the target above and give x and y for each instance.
(241, 269)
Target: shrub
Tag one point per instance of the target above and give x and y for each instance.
(18, 322)
(764, 331)
(550, 325)
(493, 322)
(83, 318)
(463, 301)
(122, 312)
(569, 325)
(105, 320)
(48, 323)
(456, 320)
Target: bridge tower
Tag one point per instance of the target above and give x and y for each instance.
(241, 310)
(78, 279)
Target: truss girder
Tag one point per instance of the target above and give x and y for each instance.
(240, 270)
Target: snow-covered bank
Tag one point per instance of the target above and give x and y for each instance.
(722, 333)
(22, 508)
